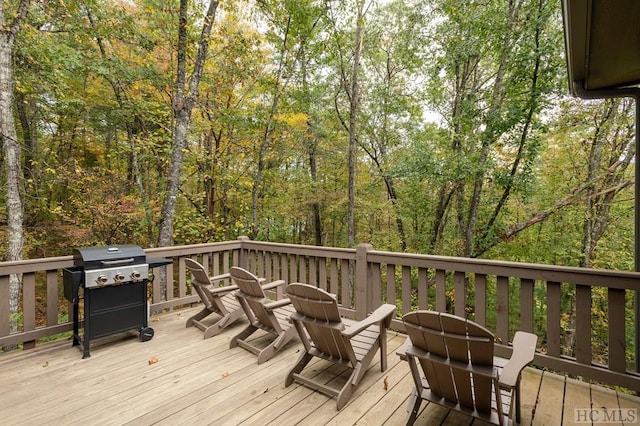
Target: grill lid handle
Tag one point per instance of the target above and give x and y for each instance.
(118, 262)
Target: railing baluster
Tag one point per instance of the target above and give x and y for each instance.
(293, 268)
(423, 288)
(313, 271)
(441, 291)
(334, 281)
(617, 336)
(583, 324)
(553, 318)
(29, 306)
(460, 288)
(4, 306)
(376, 285)
(52, 298)
(345, 281)
(406, 289)
(392, 295)
(526, 305)
(481, 299)
(182, 275)
(283, 267)
(502, 309)
(322, 273)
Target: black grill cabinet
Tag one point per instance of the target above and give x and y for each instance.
(111, 284)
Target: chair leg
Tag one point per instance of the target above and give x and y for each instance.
(303, 360)
(414, 406)
(242, 335)
(516, 400)
(266, 354)
(383, 348)
(197, 317)
(212, 330)
(228, 319)
(349, 387)
(280, 341)
(345, 394)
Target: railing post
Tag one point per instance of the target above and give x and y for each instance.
(242, 259)
(362, 289)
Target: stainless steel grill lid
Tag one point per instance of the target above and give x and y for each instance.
(108, 256)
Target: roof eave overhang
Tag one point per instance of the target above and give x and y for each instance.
(602, 44)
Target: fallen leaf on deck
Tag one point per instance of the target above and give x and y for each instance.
(156, 319)
(46, 364)
(153, 360)
(385, 383)
(225, 375)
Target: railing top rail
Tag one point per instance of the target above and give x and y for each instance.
(53, 263)
(35, 265)
(307, 250)
(554, 273)
(194, 248)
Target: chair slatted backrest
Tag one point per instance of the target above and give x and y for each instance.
(249, 284)
(200, 281)
(322, 320)
(457, 347)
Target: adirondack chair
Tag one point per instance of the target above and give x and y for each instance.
(263, 313)
(216, 300)
(348, 343)
(460, 371)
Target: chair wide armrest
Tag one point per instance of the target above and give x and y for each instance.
(524, 349)
(383, 314)
(277, 304)
(402, 350)
(272, 284)
(220, 277)
(223, 290)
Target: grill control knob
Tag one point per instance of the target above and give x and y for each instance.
(101, 280)
(135, 275)
(118, 277)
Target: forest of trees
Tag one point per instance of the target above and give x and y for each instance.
(428, 126)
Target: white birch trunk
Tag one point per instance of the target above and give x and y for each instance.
(185, 95)
(12, 165)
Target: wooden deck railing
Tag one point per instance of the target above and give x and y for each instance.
(504, 296)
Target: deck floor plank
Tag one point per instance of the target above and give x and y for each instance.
(549, 405)
(630, 406)
(607, 401)
(529, 389)
(577, 397)
(201, 381)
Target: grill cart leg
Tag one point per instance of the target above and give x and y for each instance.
(76, 331)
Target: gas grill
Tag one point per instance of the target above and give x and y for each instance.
(112, 283)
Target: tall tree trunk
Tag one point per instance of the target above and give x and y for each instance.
(11, 151)
(278, 89)
(29, 134)
(185, 93)
(131, 124)
(286, 59)
(311, 145)
(354, 105)
(490, 133)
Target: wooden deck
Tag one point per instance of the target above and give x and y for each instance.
(180, 378)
